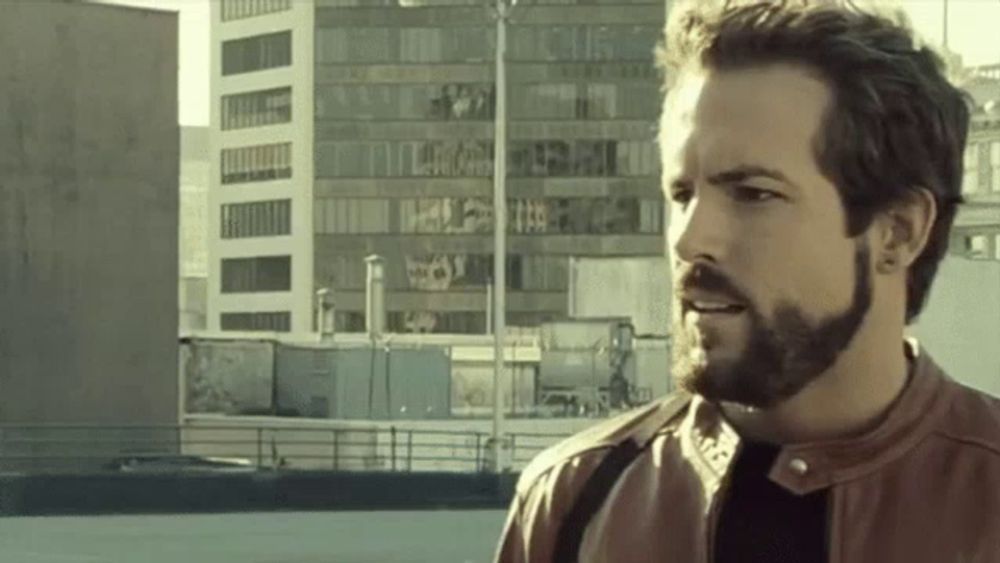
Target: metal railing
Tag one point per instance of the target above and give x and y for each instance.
(78, 448)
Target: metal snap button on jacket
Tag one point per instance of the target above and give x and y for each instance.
(798, 466)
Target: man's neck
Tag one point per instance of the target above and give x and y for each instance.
(847, 400)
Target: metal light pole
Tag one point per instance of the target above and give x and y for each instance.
(489, 306)
(499, 222)
(944, 25)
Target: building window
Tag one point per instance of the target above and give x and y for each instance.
(452, 322)
(585, 216)
(359, 45)
(259, 52)
(351, 216)
(395, 3)
(636, 158)
(349, 321)
(977, 246)
(376, 159)
(257, 219)
(545, 101)
(995, 164)
(240, 9)
(343, 272)
(276, 321)
(587, 158)
(256, 109)
(257, 274)
(446, 272)
(970, 177)
(258, 163)
(444, 102)
(544, 273)
(651, 216)
(583, 42)
(424, 3)
(984, 185)
(450, 216)
(636, 100)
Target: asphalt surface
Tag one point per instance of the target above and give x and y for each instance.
(273, 537)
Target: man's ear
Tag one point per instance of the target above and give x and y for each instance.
(904, 229)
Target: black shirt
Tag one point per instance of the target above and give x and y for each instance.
(762, 522)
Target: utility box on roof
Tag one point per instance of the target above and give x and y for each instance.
(379, 383)
(577, 352)
(588, 365)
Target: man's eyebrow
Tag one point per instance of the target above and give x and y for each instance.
(745, 172)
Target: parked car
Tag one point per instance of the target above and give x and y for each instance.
(181, 464)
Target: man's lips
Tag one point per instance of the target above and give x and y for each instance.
(712, 307)
(708, 303)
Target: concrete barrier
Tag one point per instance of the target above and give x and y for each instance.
(34, 495)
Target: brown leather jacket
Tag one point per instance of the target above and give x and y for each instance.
(923, 486)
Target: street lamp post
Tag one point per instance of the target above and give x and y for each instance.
(502, 15)
(944, 25)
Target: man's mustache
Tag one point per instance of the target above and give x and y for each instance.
(701, 277)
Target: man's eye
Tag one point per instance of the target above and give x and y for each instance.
(753, 195)
(680, 196)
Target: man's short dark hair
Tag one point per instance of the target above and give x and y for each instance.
(896, 123)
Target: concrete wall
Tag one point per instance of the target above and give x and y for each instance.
(632, 287)
(227, 377)
(88, 494)
(191, 295)
(88, 214)
(960, 327)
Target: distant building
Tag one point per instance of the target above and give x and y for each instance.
(344, 128)
(88, 216)
(961, 322)
(638, 288)
(193, 227)
(977, 228)
(195, 176)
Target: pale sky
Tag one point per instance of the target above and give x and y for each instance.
(972, 33)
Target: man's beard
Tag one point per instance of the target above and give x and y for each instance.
(780, 357)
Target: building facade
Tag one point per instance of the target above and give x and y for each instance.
(88, 217)
(977, 228)
(195, 174)
(345, 128)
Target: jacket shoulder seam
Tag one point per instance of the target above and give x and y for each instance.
(602, 438)
(992, 447)
(524, 489)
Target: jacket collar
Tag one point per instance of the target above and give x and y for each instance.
(804, 468)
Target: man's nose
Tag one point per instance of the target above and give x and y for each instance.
(698, 232)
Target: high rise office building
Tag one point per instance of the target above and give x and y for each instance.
(345, 128)
(977, 228)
